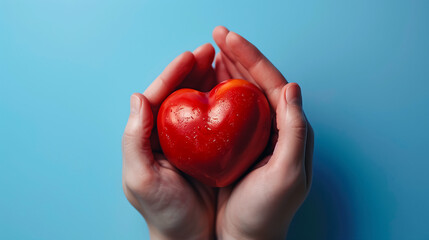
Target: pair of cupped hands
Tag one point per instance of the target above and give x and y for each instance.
(260, 205)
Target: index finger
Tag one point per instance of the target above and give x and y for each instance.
(170, 78)
(268, 77)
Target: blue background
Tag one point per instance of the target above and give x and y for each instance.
(68, 68)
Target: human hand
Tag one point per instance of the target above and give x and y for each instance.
(174, 206)
(262, 204)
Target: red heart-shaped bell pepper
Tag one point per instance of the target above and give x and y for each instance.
(216, 136)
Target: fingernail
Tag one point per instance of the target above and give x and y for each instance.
(135, 104)
(293, 94)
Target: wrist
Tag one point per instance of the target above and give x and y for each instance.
(268, 233)
(155, 234)
(260, 236)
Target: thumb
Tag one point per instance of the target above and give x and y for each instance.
(136, 148)
(289, 153)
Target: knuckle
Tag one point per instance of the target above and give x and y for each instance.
(128, 133)
(299, 122)
(292, 178)
(129, 138)
(290, 173)
(299, 126)
(138, 183)
(127, 190)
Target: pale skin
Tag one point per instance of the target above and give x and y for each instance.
(260, 205)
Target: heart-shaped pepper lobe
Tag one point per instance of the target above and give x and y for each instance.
(216, 136)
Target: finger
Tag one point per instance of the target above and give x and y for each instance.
(222, 73)
(219, 36)
(238, 71)
(266, 76)
(206, 78)
(204, 56)
(209, 81)
(309, 148)
(241, 71)
(289, 152)
(230, 66)
(136, 147)
(170, 78)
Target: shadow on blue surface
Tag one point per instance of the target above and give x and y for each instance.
(327, 212)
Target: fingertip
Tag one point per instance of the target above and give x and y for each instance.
(289, 108)
(140, 109)
(235, 41)
(205, 47)
(185, 62)
(140, 123)
(232, 38)
(137, 95)
(135, 104)
(282, 100)
(220, 30)
(148, 118)
(133, 124)
(219, 34)
(204, 54)
(187, 56)
(281, 107)
(293, 94)
(211, 49)
(146, 108)
(295, 119)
